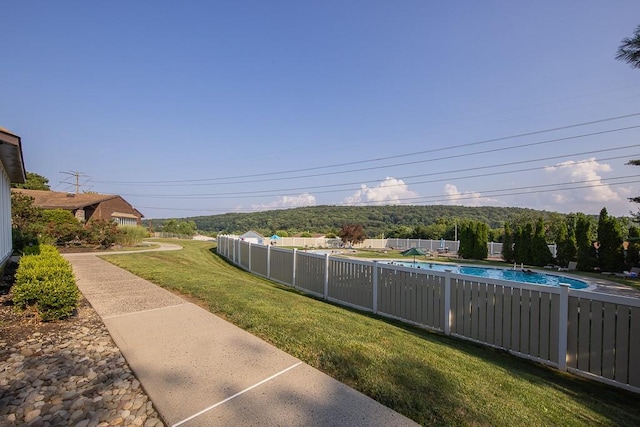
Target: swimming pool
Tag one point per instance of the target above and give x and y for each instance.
(521, 276)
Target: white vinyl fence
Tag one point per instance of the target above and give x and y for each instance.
(586, 333)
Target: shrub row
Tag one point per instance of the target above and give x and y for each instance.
(45, 285)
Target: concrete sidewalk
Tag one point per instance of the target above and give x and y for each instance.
(200, 370)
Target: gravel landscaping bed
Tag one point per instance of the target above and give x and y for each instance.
(65, 373)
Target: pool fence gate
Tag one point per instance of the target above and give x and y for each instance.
(590, 334)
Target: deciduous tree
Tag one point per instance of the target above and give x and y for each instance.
(185, 228)
(352, 234)
(34, 182)
(26, 221)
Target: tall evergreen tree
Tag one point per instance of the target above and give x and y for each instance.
(474, 237)
(610, 250)
(540, 253)
(481, 250)
(566, 244)
(520, 242)
(586, 255)
(633, 250)
(507, 243)
(527, 243)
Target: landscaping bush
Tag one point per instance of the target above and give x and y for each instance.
(60, 227)
(101, 232)
(131, 235)
(44, 284)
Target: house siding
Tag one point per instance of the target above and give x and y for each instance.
(5, 216)
(117, 204)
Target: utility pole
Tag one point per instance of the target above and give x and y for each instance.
(77, 175)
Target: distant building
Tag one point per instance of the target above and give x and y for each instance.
(87, 206)
(11, 171)
(252, 237)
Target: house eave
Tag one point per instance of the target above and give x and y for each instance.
(11, 156)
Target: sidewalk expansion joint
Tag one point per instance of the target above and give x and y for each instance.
(236, 395)
(144, 311)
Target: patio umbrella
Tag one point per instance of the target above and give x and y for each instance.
(414, 252)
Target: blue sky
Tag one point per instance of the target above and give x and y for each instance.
(206, 107)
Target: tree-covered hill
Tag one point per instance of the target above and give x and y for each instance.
(375, 220)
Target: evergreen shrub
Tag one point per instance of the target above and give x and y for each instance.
(44, 284)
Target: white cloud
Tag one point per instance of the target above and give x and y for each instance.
(467, 198)
(390, 191)
(586, 174)
(283, 202)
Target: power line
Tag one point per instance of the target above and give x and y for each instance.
(514, 191)
(417, 153)
(433, 159)
(274, 192)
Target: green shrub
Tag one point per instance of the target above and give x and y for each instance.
(60, 226)
(22, 240)
(131, 235)
(44, 283)
(101, 232)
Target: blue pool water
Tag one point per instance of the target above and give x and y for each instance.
(501, 274)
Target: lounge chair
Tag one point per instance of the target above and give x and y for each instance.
(572, 266)
(633, 274)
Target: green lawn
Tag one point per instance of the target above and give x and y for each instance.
(428, 377)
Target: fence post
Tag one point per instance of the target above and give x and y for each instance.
(563, 326)
(446, 321)
(375, 287)
(326, 276)
(293, 275)
(250, 257)
(269, 262)
(235, 244)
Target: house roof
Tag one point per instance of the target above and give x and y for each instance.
(11, 156)
(252, 235)
(59, 200)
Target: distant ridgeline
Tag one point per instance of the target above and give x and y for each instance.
(376, 220)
